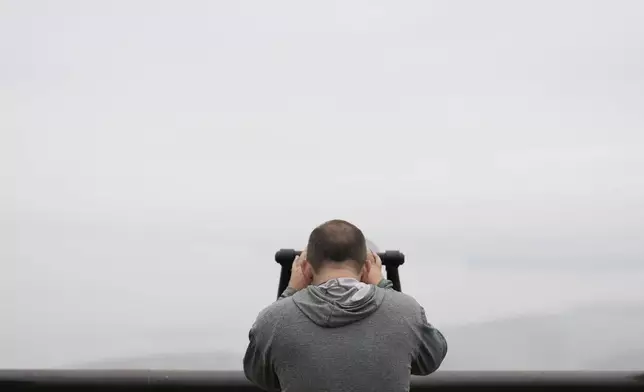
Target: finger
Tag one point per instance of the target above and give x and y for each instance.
(374, 257)
(378, 260)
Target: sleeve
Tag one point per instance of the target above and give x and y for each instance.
(287, 293)
(258, 363)
(385, 284)
(432, 347)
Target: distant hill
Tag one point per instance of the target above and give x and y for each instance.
(629, 361)
(174, 361)
(603, 337)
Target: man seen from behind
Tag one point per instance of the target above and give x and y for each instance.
(340, 326)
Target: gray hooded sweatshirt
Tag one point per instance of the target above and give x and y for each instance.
(343, 335)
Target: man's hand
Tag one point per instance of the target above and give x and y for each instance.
(299, 280)
(373, 269)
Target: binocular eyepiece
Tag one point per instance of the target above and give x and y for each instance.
(391, 260)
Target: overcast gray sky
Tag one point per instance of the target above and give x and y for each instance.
(157, 153)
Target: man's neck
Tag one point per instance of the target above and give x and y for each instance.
(325, 276)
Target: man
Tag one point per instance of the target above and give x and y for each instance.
(340, 326)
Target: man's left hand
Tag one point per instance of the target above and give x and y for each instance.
(299, 280)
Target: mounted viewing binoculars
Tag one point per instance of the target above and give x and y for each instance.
(391, 260)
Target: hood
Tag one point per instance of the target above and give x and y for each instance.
(339, 302)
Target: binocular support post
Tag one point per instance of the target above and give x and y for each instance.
(391, 259)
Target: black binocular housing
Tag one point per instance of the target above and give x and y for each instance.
(391, 259)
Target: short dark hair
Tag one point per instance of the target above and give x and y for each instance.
(336, 241)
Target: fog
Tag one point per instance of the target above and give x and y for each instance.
(155, 154)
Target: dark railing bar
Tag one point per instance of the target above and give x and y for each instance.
(236, 379)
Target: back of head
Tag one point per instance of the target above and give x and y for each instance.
(335, 243)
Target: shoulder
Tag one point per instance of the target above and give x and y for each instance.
(274, 313)
(403, 304)
(402, 299)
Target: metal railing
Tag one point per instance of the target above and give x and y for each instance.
(118, 380)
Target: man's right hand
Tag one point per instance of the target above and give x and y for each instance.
(373, 269)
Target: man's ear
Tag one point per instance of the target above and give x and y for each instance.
(364, 271)
(307, 269)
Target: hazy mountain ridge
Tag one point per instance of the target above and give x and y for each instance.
(601, 337)
(585, 338)
(178, 361)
